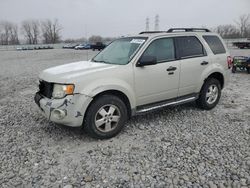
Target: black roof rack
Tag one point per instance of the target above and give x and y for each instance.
(177, 29)
(188, 29)
(145, 32)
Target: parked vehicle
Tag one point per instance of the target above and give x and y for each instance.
(70, 46)
(83, 47)
(242, 45)
(98, 46)
(43, 47)
(135, 75)
(242, 63)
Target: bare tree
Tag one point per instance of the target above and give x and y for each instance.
(14, 35)
(228, 31)
(108, 39)
(95, 38)
(26, 28)
(5, 34)
(79, 40)
(244, 24)
(35, 30)
(31, 31)
(8, 33)
(51, 31)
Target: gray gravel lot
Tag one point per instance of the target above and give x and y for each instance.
(179, 146)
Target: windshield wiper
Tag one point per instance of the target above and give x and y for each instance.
(101, 61)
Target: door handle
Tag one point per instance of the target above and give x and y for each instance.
(171, 68)
(204, 63)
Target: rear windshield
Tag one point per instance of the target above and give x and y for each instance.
(215, 44)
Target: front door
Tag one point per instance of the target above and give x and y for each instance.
(154, 83)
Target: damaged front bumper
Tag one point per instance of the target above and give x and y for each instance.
(67, 111)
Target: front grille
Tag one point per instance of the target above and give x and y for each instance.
(46, 89)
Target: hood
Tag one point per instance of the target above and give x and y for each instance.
(68, 72)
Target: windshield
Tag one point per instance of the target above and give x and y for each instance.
(121, 51)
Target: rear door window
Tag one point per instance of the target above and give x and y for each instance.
(215, 44)
(188, 47)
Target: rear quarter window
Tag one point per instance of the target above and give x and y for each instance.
(215, 44)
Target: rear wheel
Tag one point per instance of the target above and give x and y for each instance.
(210, 94)
(105, 117)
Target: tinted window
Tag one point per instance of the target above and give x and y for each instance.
(189, 46)
(215, 44)
(162, 49)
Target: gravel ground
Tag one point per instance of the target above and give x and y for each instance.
(179, 146)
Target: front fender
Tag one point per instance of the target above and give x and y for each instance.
(99, 86)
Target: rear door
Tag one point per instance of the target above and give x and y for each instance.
(193, 61)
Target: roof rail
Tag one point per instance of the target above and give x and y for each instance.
(145, 32)
(188, 29)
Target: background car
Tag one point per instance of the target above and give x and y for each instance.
(98, 46)
(83, 47)
(70, 46)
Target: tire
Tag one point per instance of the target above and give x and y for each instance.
(209, 94)
(248, 70)
(242, 68)
(233, 69)
(109, 112)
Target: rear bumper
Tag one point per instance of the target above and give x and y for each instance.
(67, 111)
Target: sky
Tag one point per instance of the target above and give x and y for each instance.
(113, 18)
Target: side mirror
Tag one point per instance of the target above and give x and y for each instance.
(146, 60)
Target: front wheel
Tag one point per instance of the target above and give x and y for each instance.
(105, 117)
(210, 94)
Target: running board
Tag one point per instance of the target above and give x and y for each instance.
(151, 107)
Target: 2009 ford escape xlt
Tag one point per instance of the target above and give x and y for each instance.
(134, 75)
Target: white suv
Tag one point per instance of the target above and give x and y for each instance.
(134, 75)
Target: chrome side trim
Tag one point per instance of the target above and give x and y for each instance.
(166, 104)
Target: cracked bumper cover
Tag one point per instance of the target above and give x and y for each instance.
(74, 107)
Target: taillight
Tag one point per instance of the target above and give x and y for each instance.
(229, 62)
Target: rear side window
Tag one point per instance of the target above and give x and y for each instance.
(188, 47)
(215, 44)
(162, 49)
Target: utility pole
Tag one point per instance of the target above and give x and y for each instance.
(147, 24)
(157, 22)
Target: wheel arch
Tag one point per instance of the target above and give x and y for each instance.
(217, 75)
(118, 94)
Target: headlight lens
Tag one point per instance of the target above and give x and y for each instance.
(60, 90)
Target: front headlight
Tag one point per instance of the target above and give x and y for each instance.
(61, 90)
